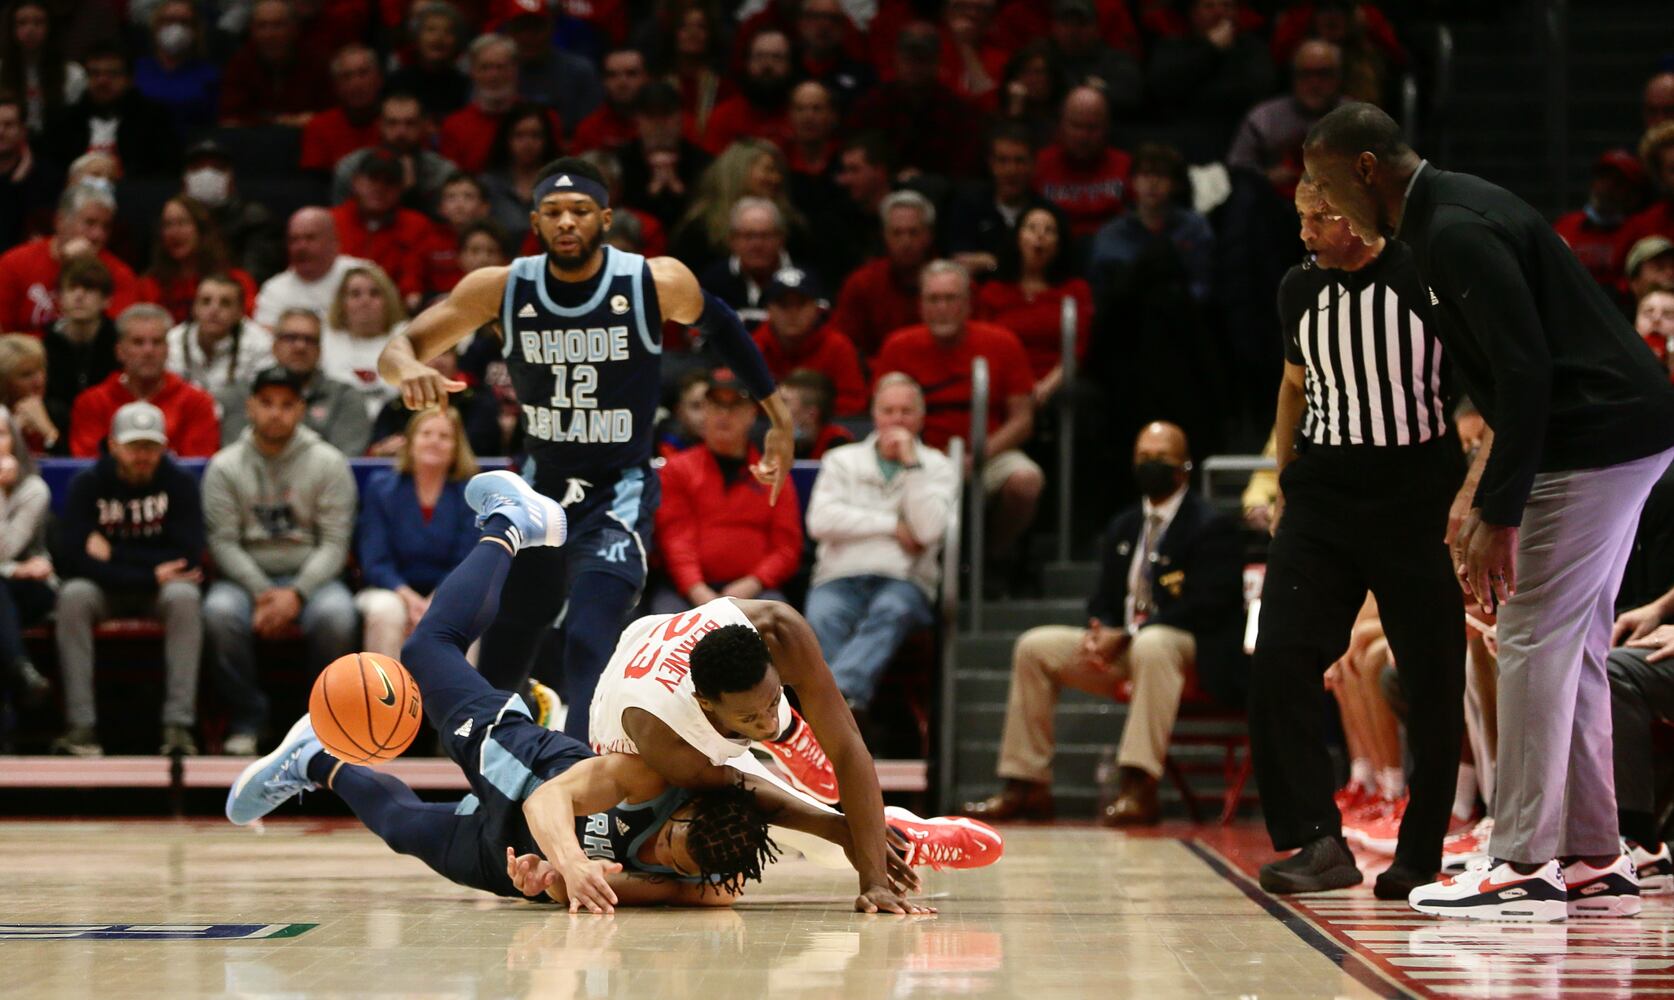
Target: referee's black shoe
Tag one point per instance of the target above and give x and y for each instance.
(1320, 865)
(1398, 882)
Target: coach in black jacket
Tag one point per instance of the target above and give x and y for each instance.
(1583, 422)
(1170, 600)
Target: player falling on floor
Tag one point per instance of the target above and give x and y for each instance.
(581, 327)
(546, 815)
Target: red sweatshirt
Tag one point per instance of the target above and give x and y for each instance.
(1089, 195)
(400, 246)
(330, 135)
(188, 416)
(1038, 320)
(825, 350)
(944, 371)
(709, 532)
(468, 136)
(29, 286)
(872, 305)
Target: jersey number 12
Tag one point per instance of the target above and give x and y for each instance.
(580, 393)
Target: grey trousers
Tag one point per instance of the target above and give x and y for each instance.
(1554, 794)
(83, 604)
(1641, 693)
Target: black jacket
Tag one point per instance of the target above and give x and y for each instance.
(146, 140)
(74, 368)
(146, 525)
(1197, 584)
(1548, 359)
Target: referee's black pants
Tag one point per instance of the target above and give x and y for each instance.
(1360, 518)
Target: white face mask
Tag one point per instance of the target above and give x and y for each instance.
(174, 39)
(209, 185)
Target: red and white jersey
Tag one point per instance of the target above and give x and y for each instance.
(650, 670)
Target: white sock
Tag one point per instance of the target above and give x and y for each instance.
(1464, 792)
(1392, 782)
(1363, 775)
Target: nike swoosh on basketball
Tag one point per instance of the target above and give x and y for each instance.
(388, 697)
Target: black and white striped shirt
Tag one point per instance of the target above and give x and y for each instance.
(1374, 368)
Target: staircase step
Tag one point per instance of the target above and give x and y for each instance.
(1017, 616)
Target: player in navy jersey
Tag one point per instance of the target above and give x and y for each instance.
(581, 329)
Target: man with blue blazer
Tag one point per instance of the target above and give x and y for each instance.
(1170, 601)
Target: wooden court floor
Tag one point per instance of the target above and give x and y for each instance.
(322, 909)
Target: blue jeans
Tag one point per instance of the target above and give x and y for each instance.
(861, 621)
(330, 627)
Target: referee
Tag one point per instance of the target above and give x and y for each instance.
(1365, 484)
(1583, 422)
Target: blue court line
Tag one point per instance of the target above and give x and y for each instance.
(1351, 962)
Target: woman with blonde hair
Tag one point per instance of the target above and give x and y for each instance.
(366, 312)
(747, 168)
(23, 382)
(414, 527)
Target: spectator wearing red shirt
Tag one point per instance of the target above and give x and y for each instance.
(353, 122)
(430, 68)
(929, 126)
(717, 531)
(937, 354)
(1082, 173)
(405, 130)
(1027, 296)
(1592, 231)
(882, 295)
(464, 204)
(811, 143)
(612, 124)
(29, 273)
(1656, 152)
(761, 108)
(188, 248)
(142, 352)
(793, 337)
(468, 134)
(973, 51)
(372, 224)
(274, 79)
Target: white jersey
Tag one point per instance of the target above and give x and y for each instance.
(650, 670)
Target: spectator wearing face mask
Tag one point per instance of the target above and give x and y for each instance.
(176, 74)
(253, 235)
(1593, 230)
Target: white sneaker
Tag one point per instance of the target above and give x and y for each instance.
(538, 519)
(1611, 891)
(1460, 849)
(1495, 891)
(1655, 870)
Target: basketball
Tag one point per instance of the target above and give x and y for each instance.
(366, 708)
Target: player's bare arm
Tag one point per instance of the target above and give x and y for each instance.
(533, 876)
(588, 787)
(669, 755)
(681, 299)
(792, 813)
(796, 654)
(474, 302)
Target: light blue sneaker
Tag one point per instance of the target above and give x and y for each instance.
(539, 519)
(268, 782)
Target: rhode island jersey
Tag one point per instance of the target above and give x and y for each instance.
(619, 832)
(588, 376)
(651, 670)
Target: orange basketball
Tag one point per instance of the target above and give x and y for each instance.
(365, 708)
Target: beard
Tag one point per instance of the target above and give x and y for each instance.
(570, 262)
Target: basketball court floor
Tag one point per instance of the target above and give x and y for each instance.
(317, 909)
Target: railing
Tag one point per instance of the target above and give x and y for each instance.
(979, 498)
(1216, 465)
(945, 743)
(1066, 427)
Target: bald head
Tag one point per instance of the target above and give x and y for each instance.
(1161, 441)
(1084, 123)
(311, 243)
(1316, 75)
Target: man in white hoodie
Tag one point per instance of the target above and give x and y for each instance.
(279, 508)
(878, 511)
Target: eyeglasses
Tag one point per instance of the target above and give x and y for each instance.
(296, 338)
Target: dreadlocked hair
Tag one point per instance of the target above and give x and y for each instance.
(732, 658)
(727, 837)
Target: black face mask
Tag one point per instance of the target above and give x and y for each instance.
(1156, 479)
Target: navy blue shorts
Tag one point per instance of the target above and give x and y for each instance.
(611, 517)
(505, 757)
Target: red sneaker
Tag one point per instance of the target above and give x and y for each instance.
(804, 763)
(1378, 828)
(1350, 798)
(946, 841)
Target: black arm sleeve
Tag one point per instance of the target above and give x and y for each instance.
(1475, 267)
(726, 332)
